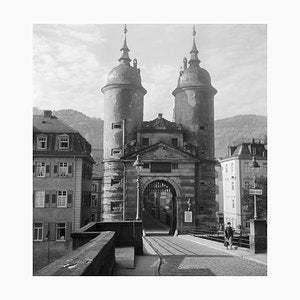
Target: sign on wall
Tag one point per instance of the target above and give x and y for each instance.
(188, 217)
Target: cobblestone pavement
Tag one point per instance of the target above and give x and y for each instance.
(184, 258)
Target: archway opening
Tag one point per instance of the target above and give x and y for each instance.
(159, 208)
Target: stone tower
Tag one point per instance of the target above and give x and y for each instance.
(194, 110)
(123, 111)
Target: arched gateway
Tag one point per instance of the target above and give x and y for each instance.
(159, 207)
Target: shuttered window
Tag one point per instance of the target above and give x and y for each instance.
(63, 169)
(40, 169)
(62, 199)
(39, 199)
(38, 232)
(61, 231)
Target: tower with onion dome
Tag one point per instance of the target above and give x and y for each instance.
(194, 110)
(123, 112)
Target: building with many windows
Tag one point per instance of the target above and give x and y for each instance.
(238, 178)
(62, 178)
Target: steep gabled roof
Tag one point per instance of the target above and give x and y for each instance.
(159, 123)
(242, 150)
(51, 124)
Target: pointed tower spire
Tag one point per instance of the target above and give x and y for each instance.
(194, 52)
(124, 59)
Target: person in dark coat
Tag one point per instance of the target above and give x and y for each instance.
(228, 236)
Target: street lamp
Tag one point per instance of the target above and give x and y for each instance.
(138, 164)
(254, 166)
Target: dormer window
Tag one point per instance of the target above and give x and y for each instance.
(42, 142)
(63, 142)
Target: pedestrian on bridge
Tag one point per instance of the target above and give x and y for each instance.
(228, 236)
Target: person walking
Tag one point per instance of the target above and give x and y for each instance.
(228, 236)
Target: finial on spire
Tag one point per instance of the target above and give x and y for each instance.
(194, 52)
(124, 59)
(194, 31)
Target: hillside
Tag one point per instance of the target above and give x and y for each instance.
(226, 130)
(243, 126)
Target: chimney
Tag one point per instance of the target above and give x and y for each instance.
(47, 113)
(160, 115)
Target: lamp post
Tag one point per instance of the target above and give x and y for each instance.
(254, 166)
(138, 164)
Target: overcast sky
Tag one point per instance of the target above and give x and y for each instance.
(71, 64)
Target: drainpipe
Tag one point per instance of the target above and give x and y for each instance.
(124, 166)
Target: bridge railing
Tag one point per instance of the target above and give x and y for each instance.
(240, 238)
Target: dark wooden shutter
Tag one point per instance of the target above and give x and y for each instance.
(48, 170)
(45, 231)
(52, 232)
(70, 198)
(53, 200)
(68, 231)
(55, 170)
(47, 199)
(70, 168)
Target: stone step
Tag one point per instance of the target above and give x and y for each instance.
(125, 257)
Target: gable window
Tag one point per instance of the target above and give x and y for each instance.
(63, 142)
(116, 126)
(41, 169)
(146, 142)
(38, 232)
(174, 142)
(63, 169)
(174, 166)
(62, 199)
(39, 199)
(146, 166)
(41, 142)
(61, 231)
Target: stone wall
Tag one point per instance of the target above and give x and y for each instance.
(97, 257)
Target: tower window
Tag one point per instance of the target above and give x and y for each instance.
(203, 127)
(116, 126)
(175, 142)
(146, 142)
(116, 151)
